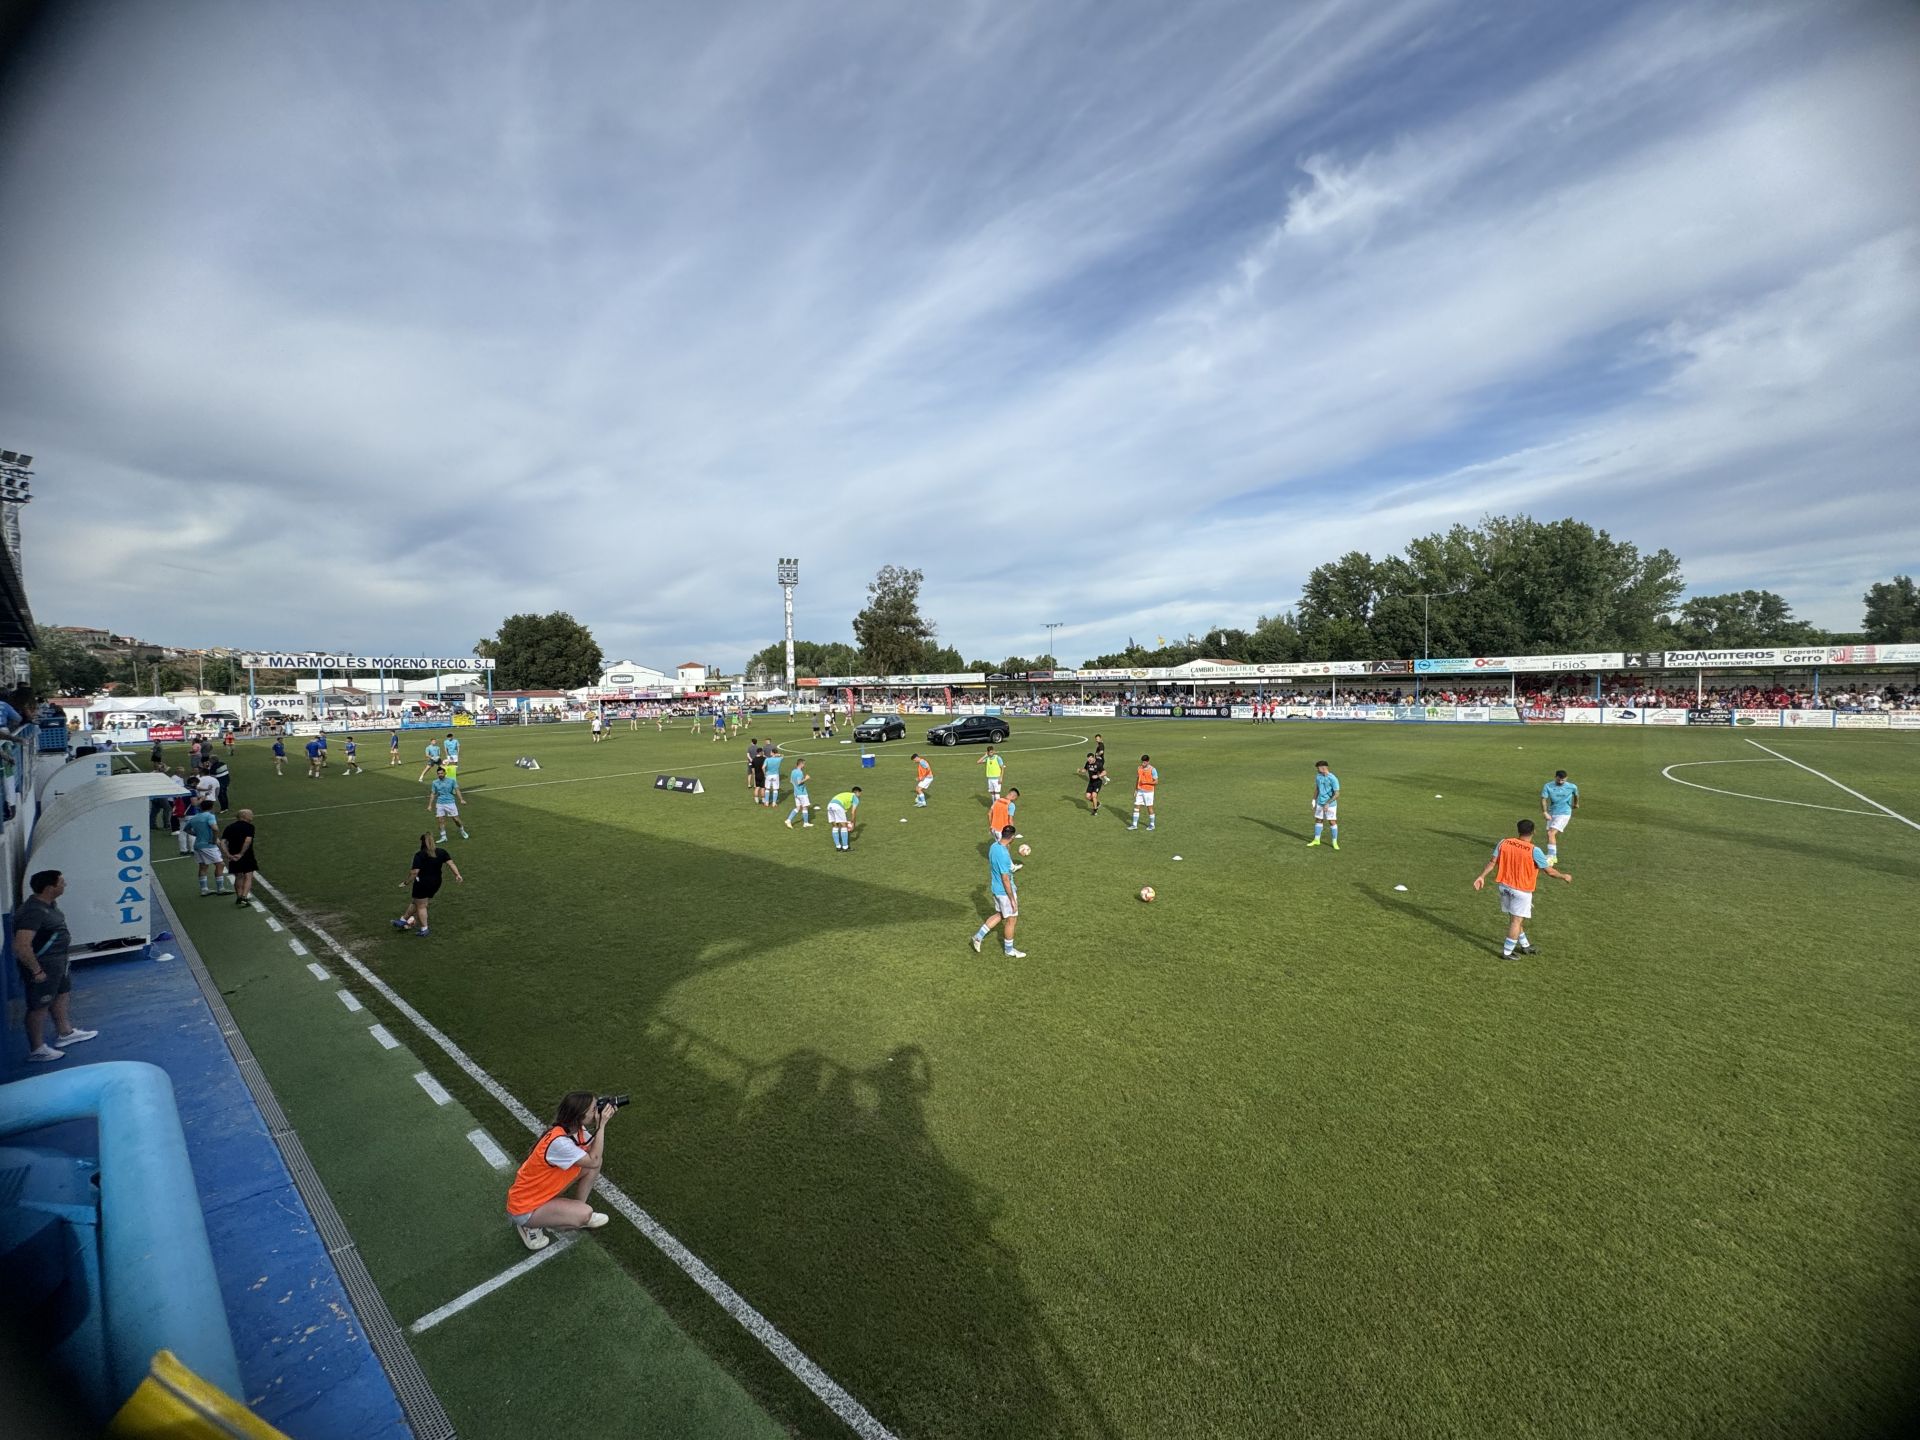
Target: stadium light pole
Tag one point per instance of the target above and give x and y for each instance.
(1427, 598)
(787, 575)
(16, 489)
(1050, 627)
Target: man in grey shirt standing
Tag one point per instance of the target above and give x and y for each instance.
(40, 940)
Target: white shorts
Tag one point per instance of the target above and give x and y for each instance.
(773, 784)
(1007, 905)
(446, 812)
(208, 855)
(922, 783)
(1516, 902)
(802, 800)
(1557, 822)
(1143, 797)
(1327, 812)
(837, 813)
(993, 784)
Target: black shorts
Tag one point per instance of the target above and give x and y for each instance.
(1094, 782)
(59, 981)
(424, 891)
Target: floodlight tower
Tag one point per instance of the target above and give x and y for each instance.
(16, 473)
(787, 574)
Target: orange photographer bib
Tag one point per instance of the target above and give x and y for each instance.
(538, 1182)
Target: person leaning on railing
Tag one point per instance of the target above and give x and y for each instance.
(567, 1153)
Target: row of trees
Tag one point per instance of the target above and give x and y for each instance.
(1509, 585)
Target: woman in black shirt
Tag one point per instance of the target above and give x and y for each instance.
(424, 877)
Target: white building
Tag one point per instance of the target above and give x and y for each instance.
(691, 675)
(631, 675)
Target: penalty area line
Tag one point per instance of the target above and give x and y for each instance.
(830, 1393)
(1868, 799)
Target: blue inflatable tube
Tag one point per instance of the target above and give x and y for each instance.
(160, 1290)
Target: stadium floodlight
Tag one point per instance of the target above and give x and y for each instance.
(1050, 626)
(1426, 599)
(786, 574)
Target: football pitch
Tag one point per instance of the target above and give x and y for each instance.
(1290, 1151)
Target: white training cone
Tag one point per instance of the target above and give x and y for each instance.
(1176, 857)
(1400, 887)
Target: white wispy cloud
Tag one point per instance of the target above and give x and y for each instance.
(1116, 315)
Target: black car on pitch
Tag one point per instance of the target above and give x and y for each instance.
(881, 727)
(987, 729)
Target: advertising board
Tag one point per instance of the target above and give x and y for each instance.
(1621, 714)
(1179, 712)
(1904, 720)
(1581, 715)
(1543, 714)
(1807, 719)
(1663, 717)
(1086, 712)
(1710, 715)
(1862, 720)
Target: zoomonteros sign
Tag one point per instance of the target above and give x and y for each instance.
(316, 660)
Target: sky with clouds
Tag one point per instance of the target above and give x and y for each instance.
(362, 325)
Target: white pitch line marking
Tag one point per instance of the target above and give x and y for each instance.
(487, 1287)
(1868, 799)
(295, 946)
(435, 1090)
(315, 969)
(829, 1391)
(1743, 795)
(272, 924)
(346, 999)
(490, 1152)
(384, 1036)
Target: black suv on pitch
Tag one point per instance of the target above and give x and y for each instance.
(881, 727)
(987, 729)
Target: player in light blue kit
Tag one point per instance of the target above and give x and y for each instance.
(1006, 896)
(1559, 798)
(1326, 803)
(445, 804)
(771, 765)
(802, 804)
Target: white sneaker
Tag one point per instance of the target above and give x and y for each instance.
(76, 1035)
(599, 1218)
(46, 1054)
(976, 944)
(1019, 867)
(533, 1239)
(1015, 954)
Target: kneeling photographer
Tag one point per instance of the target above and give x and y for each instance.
(570, 1151)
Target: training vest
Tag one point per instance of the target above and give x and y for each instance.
(999, 815)
(1144, 780)
(538, 1182)
(1516, 868)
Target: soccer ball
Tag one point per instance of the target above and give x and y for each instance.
(1026, 849)
(1146, 893)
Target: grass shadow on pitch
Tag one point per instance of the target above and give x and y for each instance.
(1485, 842)
(1395, 904)
(896, 1284)
(1277, 829)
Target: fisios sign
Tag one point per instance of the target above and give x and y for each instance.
(318, 660)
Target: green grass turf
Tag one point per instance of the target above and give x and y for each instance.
(425, 1211)
(1287, 1151)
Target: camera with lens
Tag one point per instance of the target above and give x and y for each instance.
(616, 1101)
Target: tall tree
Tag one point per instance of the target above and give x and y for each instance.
(1739, 618)
(810, 659)
(1893, 612)
(545, 652)
(891, 632)
(63, 666)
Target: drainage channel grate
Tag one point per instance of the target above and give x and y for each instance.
(425, 1415)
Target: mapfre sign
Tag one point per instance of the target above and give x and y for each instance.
(315, 660)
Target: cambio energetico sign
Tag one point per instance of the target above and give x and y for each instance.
(316, 660)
